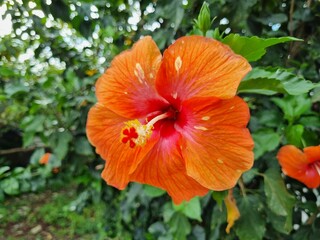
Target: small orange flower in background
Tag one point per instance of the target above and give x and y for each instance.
(45, 158)
(55, 170)
(173, 121)
(303, 166)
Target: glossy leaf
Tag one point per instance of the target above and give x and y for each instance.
(253, 48)
(270, 81)
(10, 186)
(4, 169)
(191, 209)
(179, 226)
(252, 224)
(265, 140)
(219, 196)
(279, 200)
(294, 135)
(83, 147)
(153, 191)
(293, 107)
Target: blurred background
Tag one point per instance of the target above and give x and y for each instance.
(51, 54)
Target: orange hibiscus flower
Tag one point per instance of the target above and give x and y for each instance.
(173, 122)
(302, 166)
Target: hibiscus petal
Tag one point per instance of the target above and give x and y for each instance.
(292, 160)
(164, 167)
(295, 164)
(312, 153)
(103, 131)
(127, 86)
(196, 66)
(217, 146)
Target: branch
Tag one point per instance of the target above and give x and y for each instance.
(291, 17)
(242, 187)
(19, 149)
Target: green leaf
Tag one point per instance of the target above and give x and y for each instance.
(179, 226)
(279, 200)
(191, 209)
(60, 144)
(10, 186)
(279, 223)
(72, 84)
(59, 9)
(6, 71)
(294, 135)
(293, 107)
(316, 94)
(265, 140)
(4, 169)
(33, 123)
(36, 155)
(251, 224)
(270, 81)
(11, 90)
(203, 22)
(153, 191)
(312, 122)
(218, 196)
(157, 228)
(28, 138)
(83, 147)
(249, 175)
(253, 48)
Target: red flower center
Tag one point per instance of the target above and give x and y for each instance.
(137, 133)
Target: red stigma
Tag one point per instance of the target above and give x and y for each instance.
(129, 134)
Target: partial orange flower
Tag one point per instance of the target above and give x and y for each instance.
(45, 158)
(303, 166)
(173, 121)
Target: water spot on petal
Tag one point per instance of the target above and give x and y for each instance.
(178, 63)
(220, 160)
(231, 107)
(200, 128)
(205, 118)
(139, 73)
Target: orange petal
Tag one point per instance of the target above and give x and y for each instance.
(299, 166)
(217, 147)
(164, 167)
(196, 66)
(232, 210)
(45, 158)
(127, 87)
(312, 153)
(292, 160)
(103, 131)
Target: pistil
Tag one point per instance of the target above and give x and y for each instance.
(137, 134)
